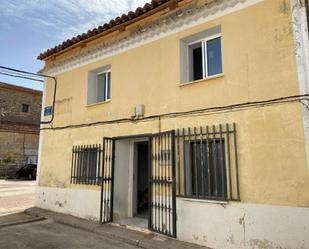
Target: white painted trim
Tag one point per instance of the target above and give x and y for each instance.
(172, 23)
(204, 42)
(234, 226)
(206, 76)
(300, 29)
(205, 39)
(242, 225)
(106, 84)
(205, 59)
(131, 208)
(204, 200)
(68, 201)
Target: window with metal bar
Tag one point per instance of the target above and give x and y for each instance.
(86, 161)
(207, 163)
(208, 169)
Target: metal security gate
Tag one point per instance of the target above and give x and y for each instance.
(162, 189)
(107, 180)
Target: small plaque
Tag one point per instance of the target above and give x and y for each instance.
(48, 110)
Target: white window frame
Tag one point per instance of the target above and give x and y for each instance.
(106, 77)
(204, 56)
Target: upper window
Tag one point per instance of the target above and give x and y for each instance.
(103, 86)
(205, 59)
(25, 108)
(201, 55)
(99, 85)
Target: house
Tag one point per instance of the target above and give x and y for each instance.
(20, 111)
(188, 118)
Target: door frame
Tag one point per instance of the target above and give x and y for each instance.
(133, 168)
(144, 137)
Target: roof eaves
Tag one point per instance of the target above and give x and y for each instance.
(114, 23)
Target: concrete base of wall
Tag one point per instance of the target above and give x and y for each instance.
(232, 225)
(242, 225)
(77, 202)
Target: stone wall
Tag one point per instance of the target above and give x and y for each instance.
(19, 130)
(11, 100)
(15, 148)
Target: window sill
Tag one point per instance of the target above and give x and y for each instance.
(98, 103)
(202, 80)
(85, 186)
(205, 201)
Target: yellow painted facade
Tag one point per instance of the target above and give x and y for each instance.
(259, 64)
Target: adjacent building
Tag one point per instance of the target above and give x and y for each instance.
(20, 111)
(189, 115)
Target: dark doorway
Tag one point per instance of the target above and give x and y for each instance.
(142, 179)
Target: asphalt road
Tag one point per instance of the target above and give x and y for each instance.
(50, 235)
(19, 230)
(16, 195)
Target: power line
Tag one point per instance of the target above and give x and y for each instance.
(203, 111)
(17, 73)
(25, 72)
(22, 77)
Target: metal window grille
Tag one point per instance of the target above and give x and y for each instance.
(86, 164)
(206, 162)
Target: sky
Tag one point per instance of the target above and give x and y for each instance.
(29, 27)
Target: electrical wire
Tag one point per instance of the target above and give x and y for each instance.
(197, 112)
(17, 73)
(25, 72)
(203, 111)
(19, 76)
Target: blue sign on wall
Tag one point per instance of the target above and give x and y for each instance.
(48, 110)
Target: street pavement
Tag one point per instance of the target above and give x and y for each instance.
(60, 231)
(50, 235)
(16, 196)
(23, 226)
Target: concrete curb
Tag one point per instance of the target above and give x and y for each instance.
(84, 225)
(13, 223)
(140, 239)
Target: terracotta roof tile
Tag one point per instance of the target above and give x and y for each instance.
(102, 28)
